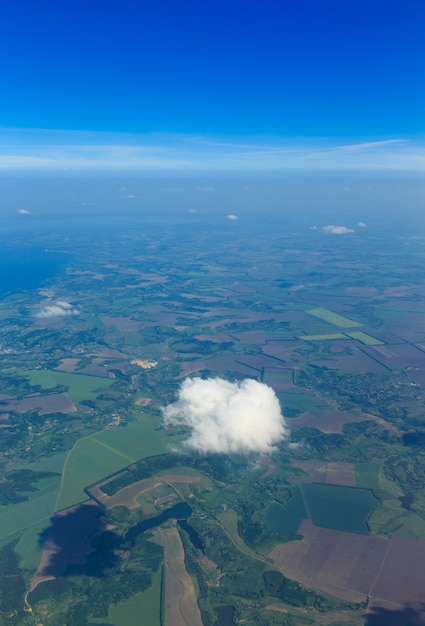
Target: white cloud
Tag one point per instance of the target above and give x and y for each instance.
(24, 212)
(361, 224)
(192, 211)
(58, 309)
(337, 230)
(232, 217)
(225, 417)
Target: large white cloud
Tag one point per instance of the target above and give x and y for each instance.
(226, 417)
(58, 309)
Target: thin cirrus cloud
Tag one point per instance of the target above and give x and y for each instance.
(28, 149)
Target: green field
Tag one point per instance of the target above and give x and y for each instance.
(81, 387)
(300, 402)
(367, 475)
(391, 518)
(40, 506)
(29, 547)
(24, 514)
(285, 519)
(340, 508)
(229, 521)
(368, 340)
(389, 315)
(326, 337)
(143, 608)
(333, 318)
(102, 454)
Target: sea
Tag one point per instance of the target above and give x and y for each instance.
(27, 268)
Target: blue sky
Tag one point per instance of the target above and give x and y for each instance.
(241, 84)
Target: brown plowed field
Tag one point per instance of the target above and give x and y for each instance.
(181, 607)
(343, 564)
(331, 473)
(329, 422)
(175, 478)
(354, 567)
(402, 578)
(127, 496)
(47, 403)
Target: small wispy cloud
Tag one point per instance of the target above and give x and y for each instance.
(361, 224)
(337, 230)
(24, 212)
(57, 309)
(231, 216)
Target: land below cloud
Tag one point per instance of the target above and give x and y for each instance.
(278, 533)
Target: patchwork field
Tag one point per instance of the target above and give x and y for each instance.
(333, 318)
(286, 518)
(105, 453)
(325, 337)
(146, 604)
(80, 387)
(328, 422)
(279, 378)
(368, 340)
(124, 324)
(301, 402)
(338, 507)
(181, 608)
(342, 564)
(48, 403)
(124, 497)
(398, 581)
(128, 496)
(354, 567)
(332, 473)
(22, 515)
(398, 356)
(357, 362)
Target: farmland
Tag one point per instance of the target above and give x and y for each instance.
(339, 507)
(365, 338)
(342, 564)
(80, 387)
(335, 326)
(105, 453)
(181, 608)
(324, 337)
(285, 519)
(333, 318)
(331, 473)
(146, 603)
